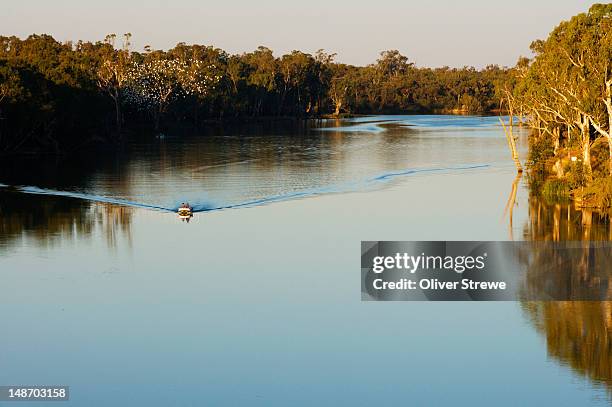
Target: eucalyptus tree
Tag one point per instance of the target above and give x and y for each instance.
(596, 69)
(157, 81)
(262, 76)
(340, 87)
(10, 90)
(202, 72)
(392, 63)
(569, 82)
(10, 83)
(113, 73)
(323, 73)
(296, 72)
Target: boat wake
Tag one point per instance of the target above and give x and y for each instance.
(379, 124)
(352, 187)
(79, 195)
(361, 185)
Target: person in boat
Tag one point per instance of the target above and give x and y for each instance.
(185, 205)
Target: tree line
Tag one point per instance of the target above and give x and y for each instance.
(57, 96)
(565, 94)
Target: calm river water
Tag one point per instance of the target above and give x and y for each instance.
(256, 300)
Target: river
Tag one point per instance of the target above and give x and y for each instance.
(256, 299)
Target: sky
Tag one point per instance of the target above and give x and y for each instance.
(430, 33)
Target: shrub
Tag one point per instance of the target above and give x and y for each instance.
(598, 194)
(541, 149)
(556, 190)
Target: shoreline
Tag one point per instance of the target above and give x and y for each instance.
(98, 144)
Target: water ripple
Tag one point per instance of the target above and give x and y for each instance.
(208, 206)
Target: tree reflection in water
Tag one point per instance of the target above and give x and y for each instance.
(578, 333)
(46, 219)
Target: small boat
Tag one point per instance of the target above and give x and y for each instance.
(185, 212)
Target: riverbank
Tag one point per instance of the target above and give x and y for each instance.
(561, 177)
(144, 133)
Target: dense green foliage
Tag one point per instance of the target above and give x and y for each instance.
(565, 92)
(56, 96)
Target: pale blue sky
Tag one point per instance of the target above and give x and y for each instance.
(430, 33)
